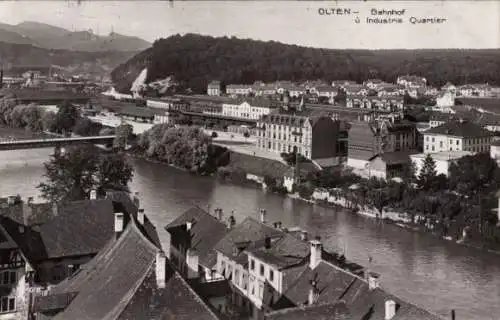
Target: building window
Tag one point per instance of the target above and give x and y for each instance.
(222, 267)
(262, 270)
(236, 279)
(7, 304)
(252, 265)
(271, 275)
(432, 139)
(440, 144)
(458, 142)
(8, 277)
(432, 148)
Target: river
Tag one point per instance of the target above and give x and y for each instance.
(432, 273)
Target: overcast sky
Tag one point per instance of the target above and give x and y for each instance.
(470, 24)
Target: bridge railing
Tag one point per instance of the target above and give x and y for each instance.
(42, 140)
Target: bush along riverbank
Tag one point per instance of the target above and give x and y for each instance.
(459, 207)
(186, 148)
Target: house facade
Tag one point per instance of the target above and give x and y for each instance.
(367, 140)
(249, 109)
(214, 88)
(238, 89)
(312, 135)
(390, 103)
(411, 81)
(457, 136)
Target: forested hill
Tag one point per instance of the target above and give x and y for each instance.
(194, 60)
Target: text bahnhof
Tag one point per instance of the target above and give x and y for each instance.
(395, 16)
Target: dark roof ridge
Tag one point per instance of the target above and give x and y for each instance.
(306, 307)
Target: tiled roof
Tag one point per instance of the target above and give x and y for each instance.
(331, 311)
(205, 232)
(55, 302)
(398, 157)
(246, 235)
(460, 129)
(285, 252)
(80, 228)
(120, 283)
(335, 284)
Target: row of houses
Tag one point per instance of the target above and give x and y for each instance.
(383, 148)
(102, 258)
(276, 272)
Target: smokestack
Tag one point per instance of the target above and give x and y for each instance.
(452, 314)
(231, 222)
(140, 216)
(218, 214)
(161, 269)
(189, 225)
(390, 309)
(316, 252)
(119, 222)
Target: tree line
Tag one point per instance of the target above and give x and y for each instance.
(446, 204)
(195, 60)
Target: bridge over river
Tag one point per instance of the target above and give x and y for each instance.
(53, 142)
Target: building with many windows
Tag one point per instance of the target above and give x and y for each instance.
(387, 103)
(214, 88)
(312, 134)
(238, 89)
(457, 136)
(249, 108)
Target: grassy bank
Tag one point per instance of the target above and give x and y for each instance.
(19, 133)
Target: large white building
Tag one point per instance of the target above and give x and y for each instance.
(443, 160)
(457, 136)
(249, 108)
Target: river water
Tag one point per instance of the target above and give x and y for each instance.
(433, 273)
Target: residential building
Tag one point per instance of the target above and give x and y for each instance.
(457, 136)
(443, 160)
(389, 165)
(297, 174)
(449, 87)
(355, 89)
(445, 99)
(326, 91)
(314, 135)
(130, 278)
(474, 90)
(391, 103)
(214, 88)
(238, 89)
(411, 81)
(49, 243)
(388, 90)
(197, 231)
(367, 140)
(373, 84)
(292, 90)
(274, 272)
(264, 90)
(342, 83)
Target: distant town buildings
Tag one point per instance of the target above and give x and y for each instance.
(457, 136)
(214, 88)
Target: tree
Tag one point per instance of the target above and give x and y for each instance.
(428, 173)
(214, 134)
(49, 121)
(472, 174)
(123, 134)
(66, 117)
(73, 174)
(113, 172)
(86, 127)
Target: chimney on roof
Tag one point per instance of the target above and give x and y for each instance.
(11, 200)
(231, 221)
(93, 194)
(55, 209)
(218, 214)
(313, 292)
(452, 314)
(119, 223)
(373, 280)
(267, 242)
(161, 269)
(263, 213)
(30, 201)
(136, 199)
(192, 262)
(140, 216)
(21, 229)
(315, 255)
(390, 309)
(303, 235)
(189, 225)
